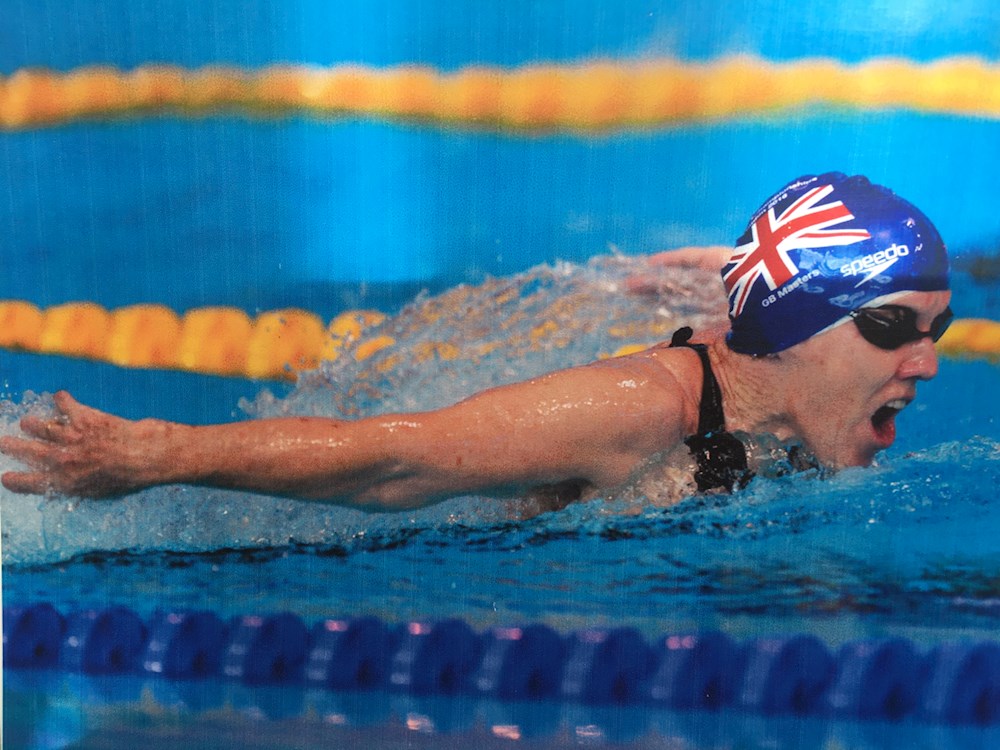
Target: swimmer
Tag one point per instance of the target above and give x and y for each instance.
(837, 291)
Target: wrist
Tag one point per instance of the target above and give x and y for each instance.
(161, 452)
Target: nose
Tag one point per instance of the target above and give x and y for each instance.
(920, 360)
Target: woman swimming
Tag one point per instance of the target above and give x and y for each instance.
(837, 290)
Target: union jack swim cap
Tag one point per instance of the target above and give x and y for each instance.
(819, 248)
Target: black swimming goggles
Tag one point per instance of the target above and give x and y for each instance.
(890, 326)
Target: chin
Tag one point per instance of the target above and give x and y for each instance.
(867, 461)
(862, 458)
(843, 460)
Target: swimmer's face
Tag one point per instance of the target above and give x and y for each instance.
(849, 391)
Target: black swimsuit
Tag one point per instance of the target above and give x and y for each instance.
(721, 457)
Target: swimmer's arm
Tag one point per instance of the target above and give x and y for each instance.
(85, 452)
(591, 426)
(580, 425)
(710, 258)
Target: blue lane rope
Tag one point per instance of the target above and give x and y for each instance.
(882, 679)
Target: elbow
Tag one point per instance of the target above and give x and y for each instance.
(392, 497)
(388, 489)
(392, 501)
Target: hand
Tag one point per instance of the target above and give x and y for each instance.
(78, 452)
(711, 258)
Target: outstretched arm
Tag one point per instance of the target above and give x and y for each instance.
(594, 425)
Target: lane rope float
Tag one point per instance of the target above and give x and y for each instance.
(880, 679)
(597, 96)
(274, 345)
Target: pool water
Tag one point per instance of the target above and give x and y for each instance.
(901, 549)
(267, 718)
(443, 228)
(908, 533)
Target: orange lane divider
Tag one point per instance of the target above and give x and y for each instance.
(589, 96)
(213, 340)
(274, 345)
(972, 337)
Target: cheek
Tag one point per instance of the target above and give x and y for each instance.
(836, 421)
(832, 402)
(848, 389)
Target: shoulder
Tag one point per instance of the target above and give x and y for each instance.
(666, 381)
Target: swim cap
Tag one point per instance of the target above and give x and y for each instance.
(820, 248)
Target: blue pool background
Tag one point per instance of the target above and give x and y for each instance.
(328, 216)
(331, 215)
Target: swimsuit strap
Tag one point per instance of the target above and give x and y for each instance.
(721, 457)
(711, 418)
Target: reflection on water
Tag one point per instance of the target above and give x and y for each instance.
(57, 711)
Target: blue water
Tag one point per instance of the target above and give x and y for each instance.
(452, 33)
(329, 216)
(903, 547)
(257, 214)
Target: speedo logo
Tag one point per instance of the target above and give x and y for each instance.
(874, 264)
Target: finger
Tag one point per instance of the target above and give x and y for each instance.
(27, 482)
(69, 406)
(29, 452)
(43, 429)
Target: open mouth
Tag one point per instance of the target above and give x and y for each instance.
(884, 421)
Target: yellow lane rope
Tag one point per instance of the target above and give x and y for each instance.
(213, 340)
(272, 346)
(592, 96)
